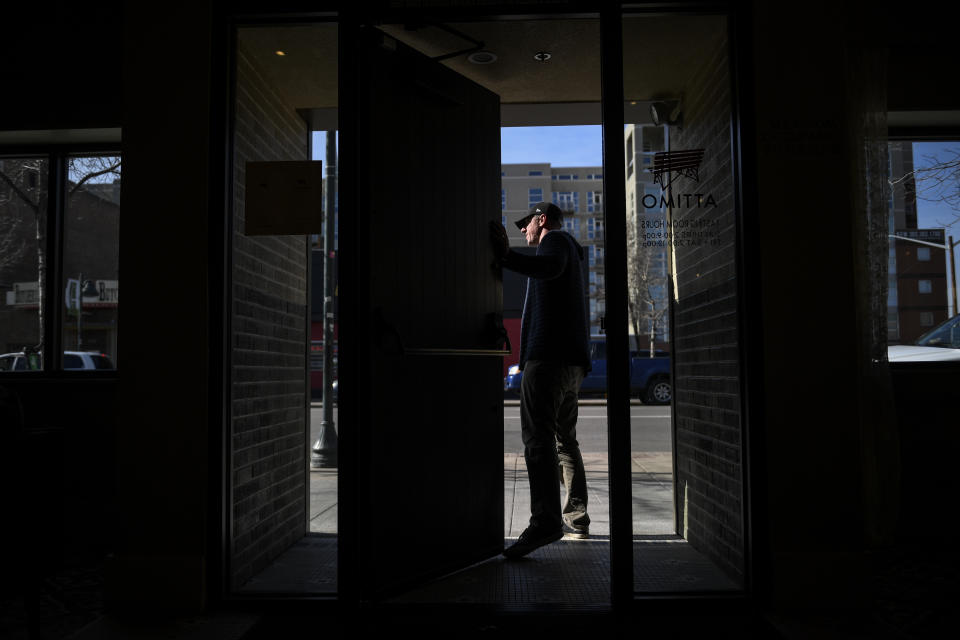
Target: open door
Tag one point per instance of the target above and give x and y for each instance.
(430, 426)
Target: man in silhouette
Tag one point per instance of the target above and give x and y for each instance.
(554, 357)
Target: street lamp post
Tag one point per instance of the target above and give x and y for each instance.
(948, 247)
(325, 448)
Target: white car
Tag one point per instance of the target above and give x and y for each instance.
(72, 361)
(942, 343)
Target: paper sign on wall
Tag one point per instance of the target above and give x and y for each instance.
(283, 198)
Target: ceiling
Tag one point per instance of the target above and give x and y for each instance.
(660, 54)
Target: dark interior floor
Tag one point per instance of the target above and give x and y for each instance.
(569, 572)
(910, 595)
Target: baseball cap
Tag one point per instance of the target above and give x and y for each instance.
(551, 210)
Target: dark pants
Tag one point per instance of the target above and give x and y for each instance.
(548, 422)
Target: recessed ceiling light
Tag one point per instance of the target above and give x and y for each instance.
(542, 56)
(482, 57)
(281, 53)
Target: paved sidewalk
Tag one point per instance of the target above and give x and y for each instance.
(652, 495)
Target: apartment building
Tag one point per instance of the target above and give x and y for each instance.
(578, 191)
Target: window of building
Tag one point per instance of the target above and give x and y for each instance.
(924, 286)
(926, 318)
(534, 196)
(923, 254)
(572, 225)
(595, 255)
(503, 199)
(535, 173)
(594, 228)
(594, 201)
(68, 299)
(567, 200)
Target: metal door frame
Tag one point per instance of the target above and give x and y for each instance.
(349, 19)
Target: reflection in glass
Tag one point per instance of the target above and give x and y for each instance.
(682, 284)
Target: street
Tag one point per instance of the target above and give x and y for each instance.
(649, 427)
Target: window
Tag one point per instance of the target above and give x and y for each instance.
(595, 254)
(572, 226)
(921, 260)
(594, 201)
(67, 299)
(534, 196)
(594, 228)
(535, 173)
(503, 199)
(567, 200)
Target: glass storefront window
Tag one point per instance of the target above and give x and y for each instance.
(91, 263)
(921, 289)
(23, 262)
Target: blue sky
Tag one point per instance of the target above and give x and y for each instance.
(560, 146)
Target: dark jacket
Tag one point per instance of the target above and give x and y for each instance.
(554, 326)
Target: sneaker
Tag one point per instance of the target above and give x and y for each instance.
(580, 533)
(529, 540)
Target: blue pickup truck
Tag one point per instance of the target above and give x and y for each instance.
(649, 377)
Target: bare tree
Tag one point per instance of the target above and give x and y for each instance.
(938, 181)
(22, 185)
(646, 284)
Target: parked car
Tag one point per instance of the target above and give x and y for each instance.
(939, 344)
(649, 377)
(72, 361)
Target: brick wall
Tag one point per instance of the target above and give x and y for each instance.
(269, 306)
(705, 348)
